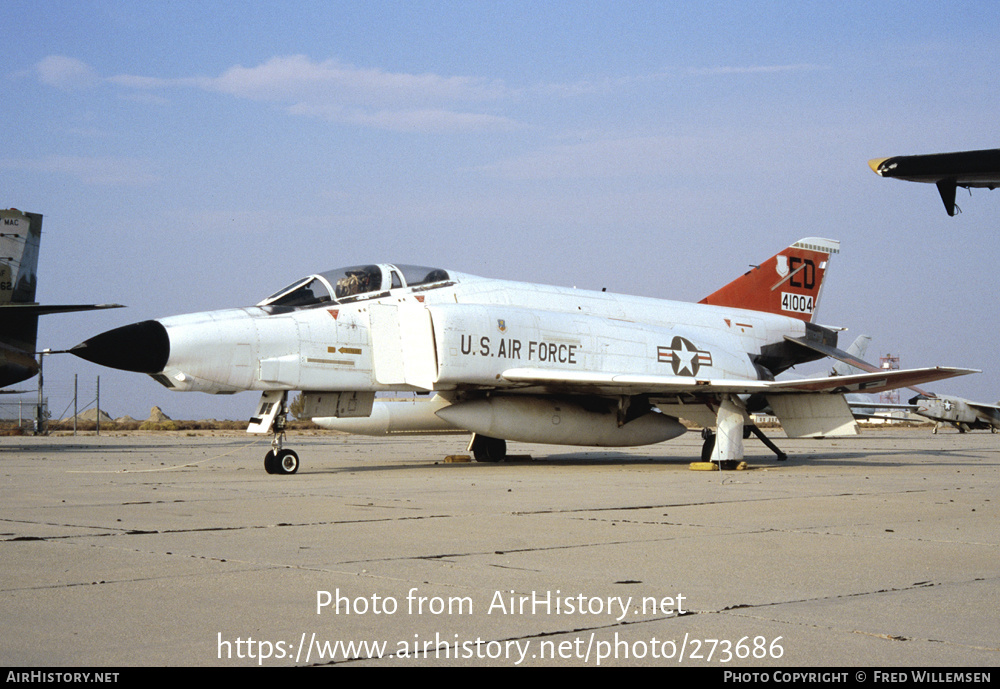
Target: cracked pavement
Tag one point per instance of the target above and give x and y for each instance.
(177, 549)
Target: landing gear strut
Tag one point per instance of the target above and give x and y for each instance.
(708, 435)
(767, 441)
(270, 418)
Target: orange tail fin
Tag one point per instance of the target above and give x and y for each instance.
(788, 283)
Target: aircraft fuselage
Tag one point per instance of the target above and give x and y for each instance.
(461, 337)
(958, 412)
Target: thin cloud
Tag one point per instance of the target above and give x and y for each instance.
(101, 171)
(427, 119)
(298, 77)
(339, 92)
(372, 97)
(67, 73)
(754, 69)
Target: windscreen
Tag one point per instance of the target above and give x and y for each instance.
(311, 290)
(421, 275)
(354, 282)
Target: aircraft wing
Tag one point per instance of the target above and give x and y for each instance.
(42, 309)
(586, 382)
(989, 409)
(881, 405)
(946, 170)
(859, 409)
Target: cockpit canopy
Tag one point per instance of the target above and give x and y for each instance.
(356, 282)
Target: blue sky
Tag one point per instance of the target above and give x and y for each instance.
(199, 155)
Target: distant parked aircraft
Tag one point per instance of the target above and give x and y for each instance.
(20, 234)
(947, 170)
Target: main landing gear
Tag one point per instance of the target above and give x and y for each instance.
(486, 449)
(270, 418)
(708, 435)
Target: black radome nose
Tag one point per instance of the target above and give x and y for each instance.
(141, 347)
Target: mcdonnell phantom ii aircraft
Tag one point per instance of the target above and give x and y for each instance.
(516, 361)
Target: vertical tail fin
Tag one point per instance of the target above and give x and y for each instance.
(20, 235)
(857, 349)
(788, 283)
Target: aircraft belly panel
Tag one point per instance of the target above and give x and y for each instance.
(241, 372)
(350, 404)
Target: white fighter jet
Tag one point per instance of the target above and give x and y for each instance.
(515, 361)
(965, 415)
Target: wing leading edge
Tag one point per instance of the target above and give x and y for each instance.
(813, 407)
(638, 384)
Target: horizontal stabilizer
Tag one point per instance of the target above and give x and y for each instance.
(846, 357)
(834, 353)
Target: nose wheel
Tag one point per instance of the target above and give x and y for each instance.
(281, 462)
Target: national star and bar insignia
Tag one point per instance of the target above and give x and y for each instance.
(683, 356)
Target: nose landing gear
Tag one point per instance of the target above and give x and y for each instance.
(281, 462)
(270, 418)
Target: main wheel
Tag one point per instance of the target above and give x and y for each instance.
(269, 463)
(486, 449)
(708, 445)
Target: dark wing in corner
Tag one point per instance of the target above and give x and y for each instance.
(42, 309)
(947, 170)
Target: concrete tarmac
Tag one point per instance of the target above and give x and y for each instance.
(165, 549)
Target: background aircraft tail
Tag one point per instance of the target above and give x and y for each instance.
(857, 349)
(20, 234)
(789, 283)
